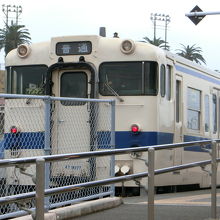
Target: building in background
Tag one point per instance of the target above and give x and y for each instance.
(2, 81)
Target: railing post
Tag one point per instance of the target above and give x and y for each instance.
(151, 159)
(47, 147)
(112, 163)
(40, 181)
(213, 180)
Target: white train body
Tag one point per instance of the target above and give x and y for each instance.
(163, 97)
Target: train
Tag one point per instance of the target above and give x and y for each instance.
(160, 97)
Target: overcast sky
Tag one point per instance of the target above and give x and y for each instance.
(130, 18)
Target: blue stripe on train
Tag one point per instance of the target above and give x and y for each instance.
(124, 139)
(24, 140)
(188, 138)
(127, 139)
(197, 74)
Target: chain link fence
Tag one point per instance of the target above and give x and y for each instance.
(34, 126)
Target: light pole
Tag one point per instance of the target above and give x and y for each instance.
(167, 21)
(160, 17)
(6, 9)
(154, 19)
(17, 9)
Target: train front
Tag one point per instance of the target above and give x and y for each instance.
(91, 67)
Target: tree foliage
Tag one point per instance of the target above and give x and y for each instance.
(13, 35)
(157, 42)
(192, 53)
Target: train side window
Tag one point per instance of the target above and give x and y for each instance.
(168, 83)
(214, 112)
(193, 108)
(162, 80)
(207, 114)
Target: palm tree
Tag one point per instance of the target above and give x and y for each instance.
(192, 53)
(12, 36)
(157, 42)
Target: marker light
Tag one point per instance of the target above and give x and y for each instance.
(117, 169)
(14, 130)
(23, 50)
(127, 46)
(135, 128)
(125, 169)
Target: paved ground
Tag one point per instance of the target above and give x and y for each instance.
(179, 206)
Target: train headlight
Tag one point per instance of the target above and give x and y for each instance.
(135, 128)
(125, 169)
(23, 50)
(127, 46)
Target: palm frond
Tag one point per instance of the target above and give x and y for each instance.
(12, 36)
(192, 53)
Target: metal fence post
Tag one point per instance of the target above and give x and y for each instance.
(40, 179)
(213, 180)
(47, 147)
(112, 166)
(151, 158)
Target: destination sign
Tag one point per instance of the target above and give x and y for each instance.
(73, 48)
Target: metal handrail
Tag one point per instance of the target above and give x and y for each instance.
(41, 160)
(70, 156)
(75, 187)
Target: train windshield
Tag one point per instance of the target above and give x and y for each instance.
(128, 78)
(26, 79)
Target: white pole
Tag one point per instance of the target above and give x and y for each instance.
(201, 13)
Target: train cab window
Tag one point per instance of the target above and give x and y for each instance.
(162, 80)
(214, 113)
(207, 114)
(193, 108)
(26, 79)
(128, 78)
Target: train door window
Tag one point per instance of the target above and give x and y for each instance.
(214, 112)
(74, 84)
(193, 108)
(207, 114)
(178, 102)
(168, 82)
(162, 80)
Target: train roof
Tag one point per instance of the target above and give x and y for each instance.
(191, 65)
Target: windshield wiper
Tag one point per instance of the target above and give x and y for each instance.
(110, 89)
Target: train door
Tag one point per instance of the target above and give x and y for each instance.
(71, 121)
(215, 114)
(178, 134)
